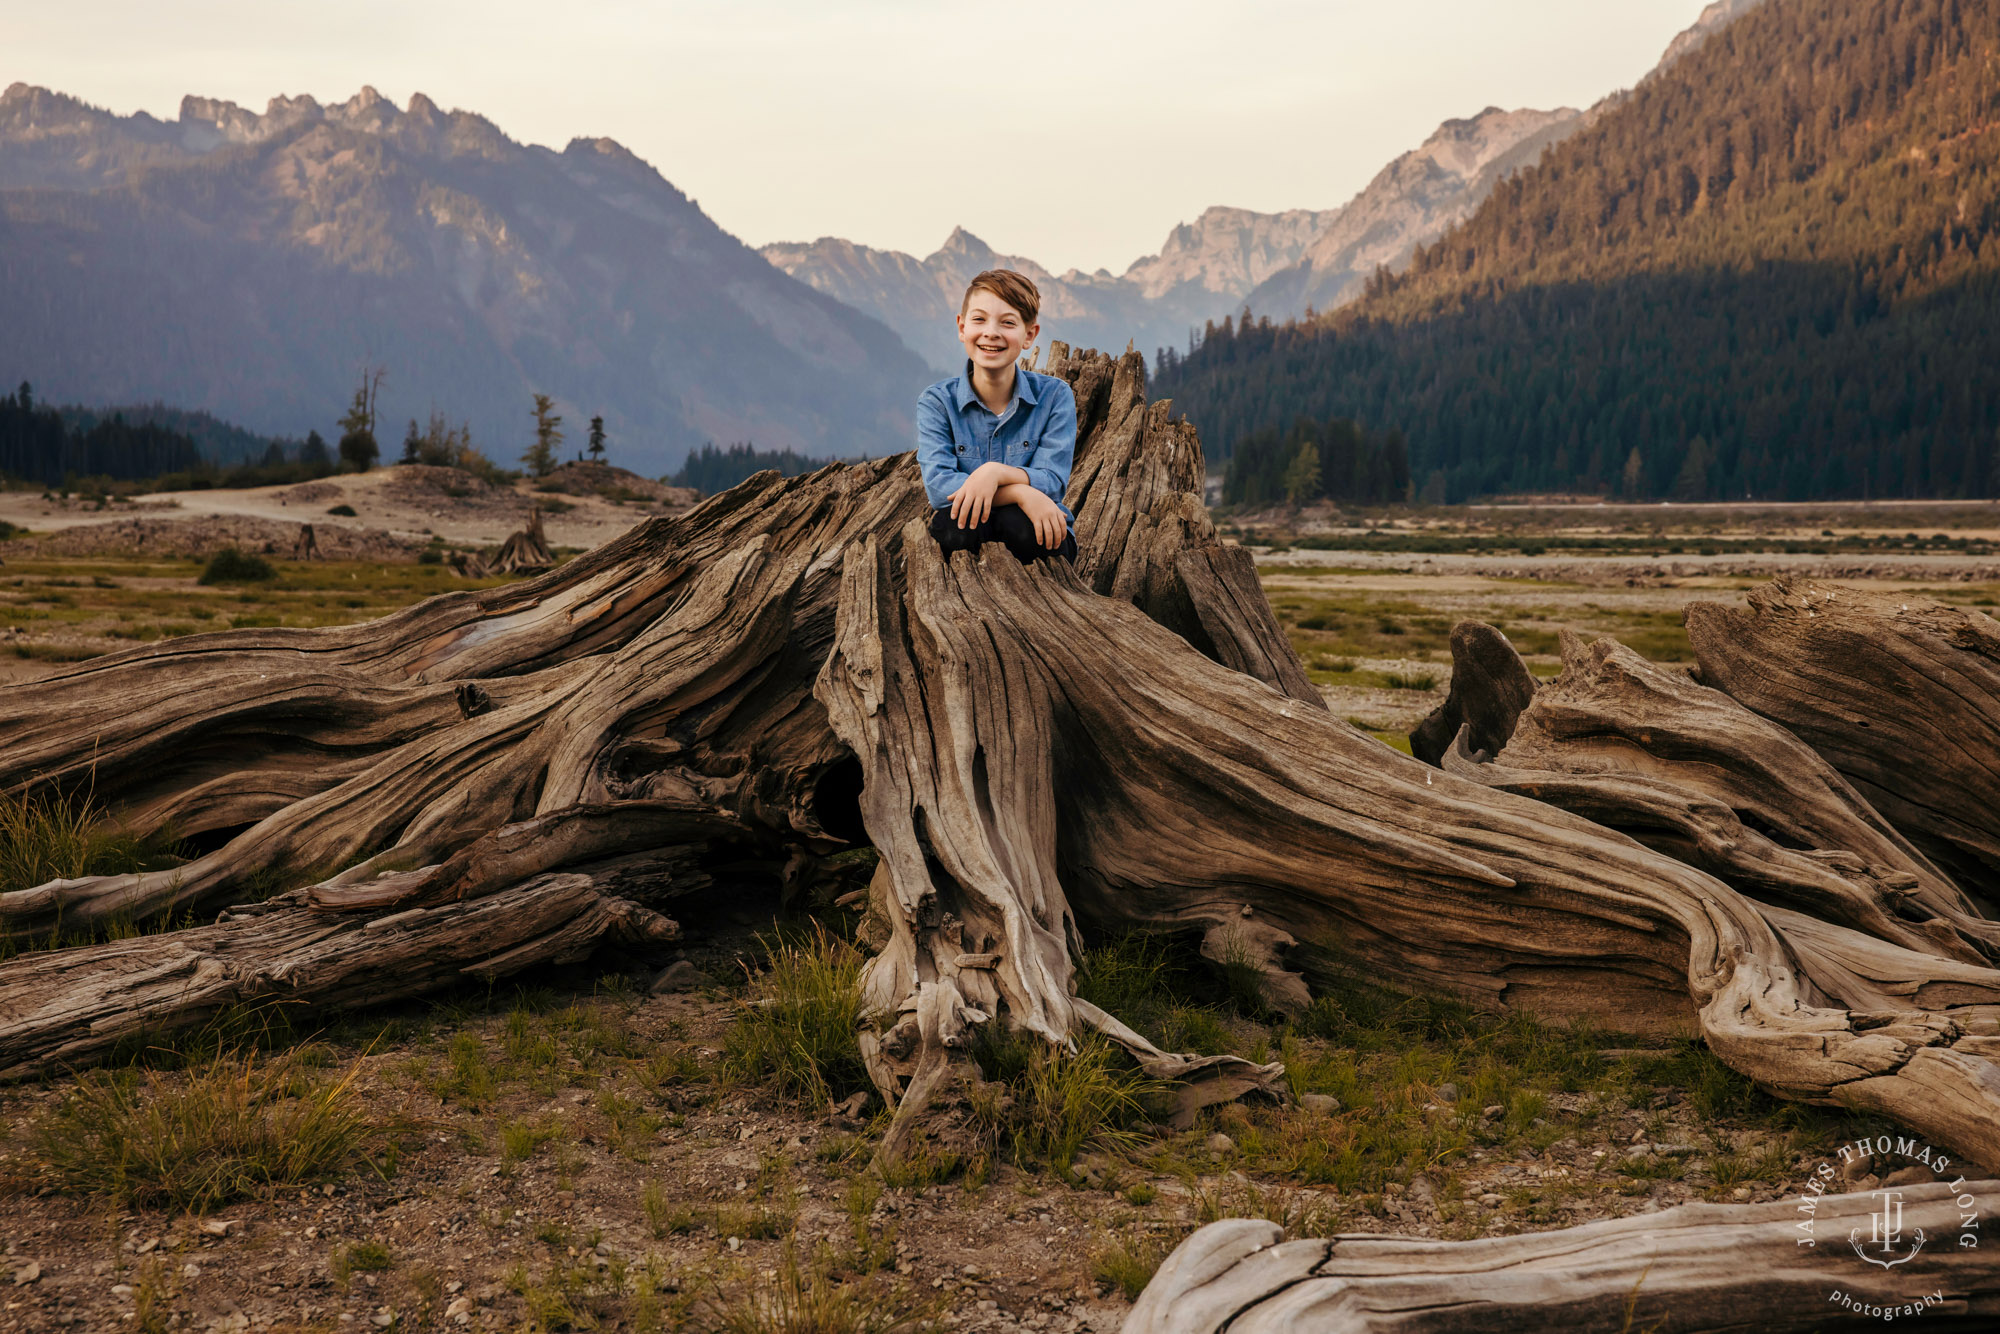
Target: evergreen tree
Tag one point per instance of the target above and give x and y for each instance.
(597, 439)
(540, 457)
(313, 452)
(1691, 482)
(1786, 243)
(358, 450)
(1634, 477)
(1302, 477)
(711, 470)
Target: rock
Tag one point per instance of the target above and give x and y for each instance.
(1323, 1104)
(190, 1270)
(851, 1108)
(1675, 1150)
(1091, 1168)
(220, 1227)
(1913, 1175)
(1493, 1113)
(678, 976)
(121, 1289)
(1447, 1093)
(459, 1306)
(1489, 1199)
(383, 1318)
(1219, 1143)
(27, 1273)
(1422, 1195)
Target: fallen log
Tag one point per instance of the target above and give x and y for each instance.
(1688, 771)
(1699, 1267)
(1900, 693)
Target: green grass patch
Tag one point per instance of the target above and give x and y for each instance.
(807, 1297)
(796, 1031)
(229, 1127)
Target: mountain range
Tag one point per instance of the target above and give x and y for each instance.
(1278, 264)
(253, 264)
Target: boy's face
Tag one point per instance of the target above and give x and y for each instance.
(993, 332)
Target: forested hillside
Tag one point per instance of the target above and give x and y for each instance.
(37, 445)
(1771, 271)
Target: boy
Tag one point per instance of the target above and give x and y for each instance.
(995, 441)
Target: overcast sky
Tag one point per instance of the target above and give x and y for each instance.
(1075, 133)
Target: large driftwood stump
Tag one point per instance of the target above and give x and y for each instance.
(1901, 694)
(1700, 1267)
(649, 704)
(792, 669)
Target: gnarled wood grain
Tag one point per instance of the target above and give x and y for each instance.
(1690, 772)
(1900, 693)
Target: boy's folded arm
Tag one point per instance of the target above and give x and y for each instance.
(935, 458)
(1049, 464)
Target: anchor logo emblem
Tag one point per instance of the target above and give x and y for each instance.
(1885, 1233)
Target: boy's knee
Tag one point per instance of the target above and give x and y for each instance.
(948, 534)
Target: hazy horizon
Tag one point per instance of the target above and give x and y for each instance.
(789, 122)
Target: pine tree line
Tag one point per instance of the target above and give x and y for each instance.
(36, 445)
(710, 470)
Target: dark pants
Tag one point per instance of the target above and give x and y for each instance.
(1006, 524)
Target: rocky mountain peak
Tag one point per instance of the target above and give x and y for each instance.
(1717, 16)
(962, 244)
(1466, 147)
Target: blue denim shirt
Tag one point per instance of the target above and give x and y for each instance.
(1037, 433)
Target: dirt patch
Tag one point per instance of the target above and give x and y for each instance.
(601, 479)
(196, 538)
(311, 493)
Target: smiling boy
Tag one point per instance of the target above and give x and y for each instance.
(995, 441)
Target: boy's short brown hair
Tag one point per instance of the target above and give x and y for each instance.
(1013, 288)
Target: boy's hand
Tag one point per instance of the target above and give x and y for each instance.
(1050, 527)
(972, 503)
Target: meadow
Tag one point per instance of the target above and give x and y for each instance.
(571, 1149)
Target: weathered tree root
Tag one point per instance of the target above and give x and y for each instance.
(1490, 686)
(69, 1007)
(998, 702)
(1690, 772)
(1901, 694)
(958, 745)
(1699, 1267)
(1126, 743)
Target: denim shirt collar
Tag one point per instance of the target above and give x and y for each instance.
(964, 395)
